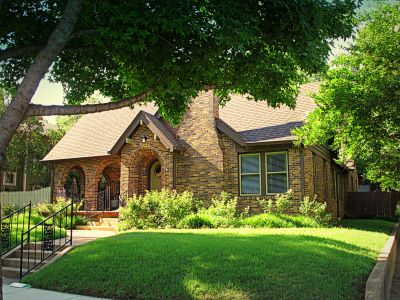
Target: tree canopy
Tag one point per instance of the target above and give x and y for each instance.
(359, 102)
(174, 48)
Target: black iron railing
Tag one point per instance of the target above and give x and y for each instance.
(108, 199)
(12, 226)
(45, 238)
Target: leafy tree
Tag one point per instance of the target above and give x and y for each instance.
(28, 146)
(166, 51)
(359, 101)
(64, 124)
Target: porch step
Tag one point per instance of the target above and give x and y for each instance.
(11, 272)
(14, 262)
(11, 263)
(101, 228)
(32, 254)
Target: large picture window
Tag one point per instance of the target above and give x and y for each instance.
(277, 172)
(250, 174)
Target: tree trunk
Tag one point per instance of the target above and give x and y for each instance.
(16, 111)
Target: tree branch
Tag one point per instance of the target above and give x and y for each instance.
(49, 110)
(56, 110)
(20, 51)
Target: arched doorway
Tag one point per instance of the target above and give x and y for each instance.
(75, 184)
(155, 176)
(108, 188)
(146, 172)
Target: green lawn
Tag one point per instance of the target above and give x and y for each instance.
(287, 263)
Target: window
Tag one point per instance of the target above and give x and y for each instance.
(10, 178)
(277, 172)
(250, 174)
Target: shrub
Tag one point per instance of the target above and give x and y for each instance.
(283, 201)
(278, 221)
(157, 209)
(9, 209)
(80, 220)
(222, 211)
(195, 221)
(267, 205)
(314, 209)
(222, 206)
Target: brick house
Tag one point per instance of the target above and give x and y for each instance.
(244, 148)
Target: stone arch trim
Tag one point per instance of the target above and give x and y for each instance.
(70, 167)
(102, 165)
(138, 166)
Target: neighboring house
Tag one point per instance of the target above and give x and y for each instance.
(20, 181)
(244, 148)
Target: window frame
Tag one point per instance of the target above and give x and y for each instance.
(279, 172)
(14, 181)
(241, 174)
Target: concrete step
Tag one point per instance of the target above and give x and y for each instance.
(101, 228)
(11, 272)
(111, 220)
(14, 262)
(29, 253)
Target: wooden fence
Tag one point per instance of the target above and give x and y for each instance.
(21, 198)
(371, 204)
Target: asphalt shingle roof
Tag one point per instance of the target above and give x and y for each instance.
(257, 122)
(96, 134)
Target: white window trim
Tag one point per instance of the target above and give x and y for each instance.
(14, 182)
(241, 174)
(279, 172)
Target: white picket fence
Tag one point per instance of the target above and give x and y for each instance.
(21, 198)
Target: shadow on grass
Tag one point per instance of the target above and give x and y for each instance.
(373, 225)
(169, 265)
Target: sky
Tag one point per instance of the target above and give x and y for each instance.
(52, 93)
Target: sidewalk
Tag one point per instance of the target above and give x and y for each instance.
(13, 293)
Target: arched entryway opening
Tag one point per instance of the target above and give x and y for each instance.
(108, 187)
(145, 172)
(74, 183)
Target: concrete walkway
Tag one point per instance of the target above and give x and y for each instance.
(14, 293)
(395, 293)
(79, 237)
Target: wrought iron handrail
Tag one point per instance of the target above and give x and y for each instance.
(10, 229)
(108, 199)
(46, 238)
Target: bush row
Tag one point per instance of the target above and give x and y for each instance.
(170, 209)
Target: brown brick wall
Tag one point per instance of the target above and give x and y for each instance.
(137, 157)
(200, 167)
(92, 169)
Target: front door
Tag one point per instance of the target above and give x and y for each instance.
(155, 176)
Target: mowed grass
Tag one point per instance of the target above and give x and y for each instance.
(286, 263)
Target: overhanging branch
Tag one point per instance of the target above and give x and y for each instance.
(23, 50)
(50, 110)
(57, 110)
